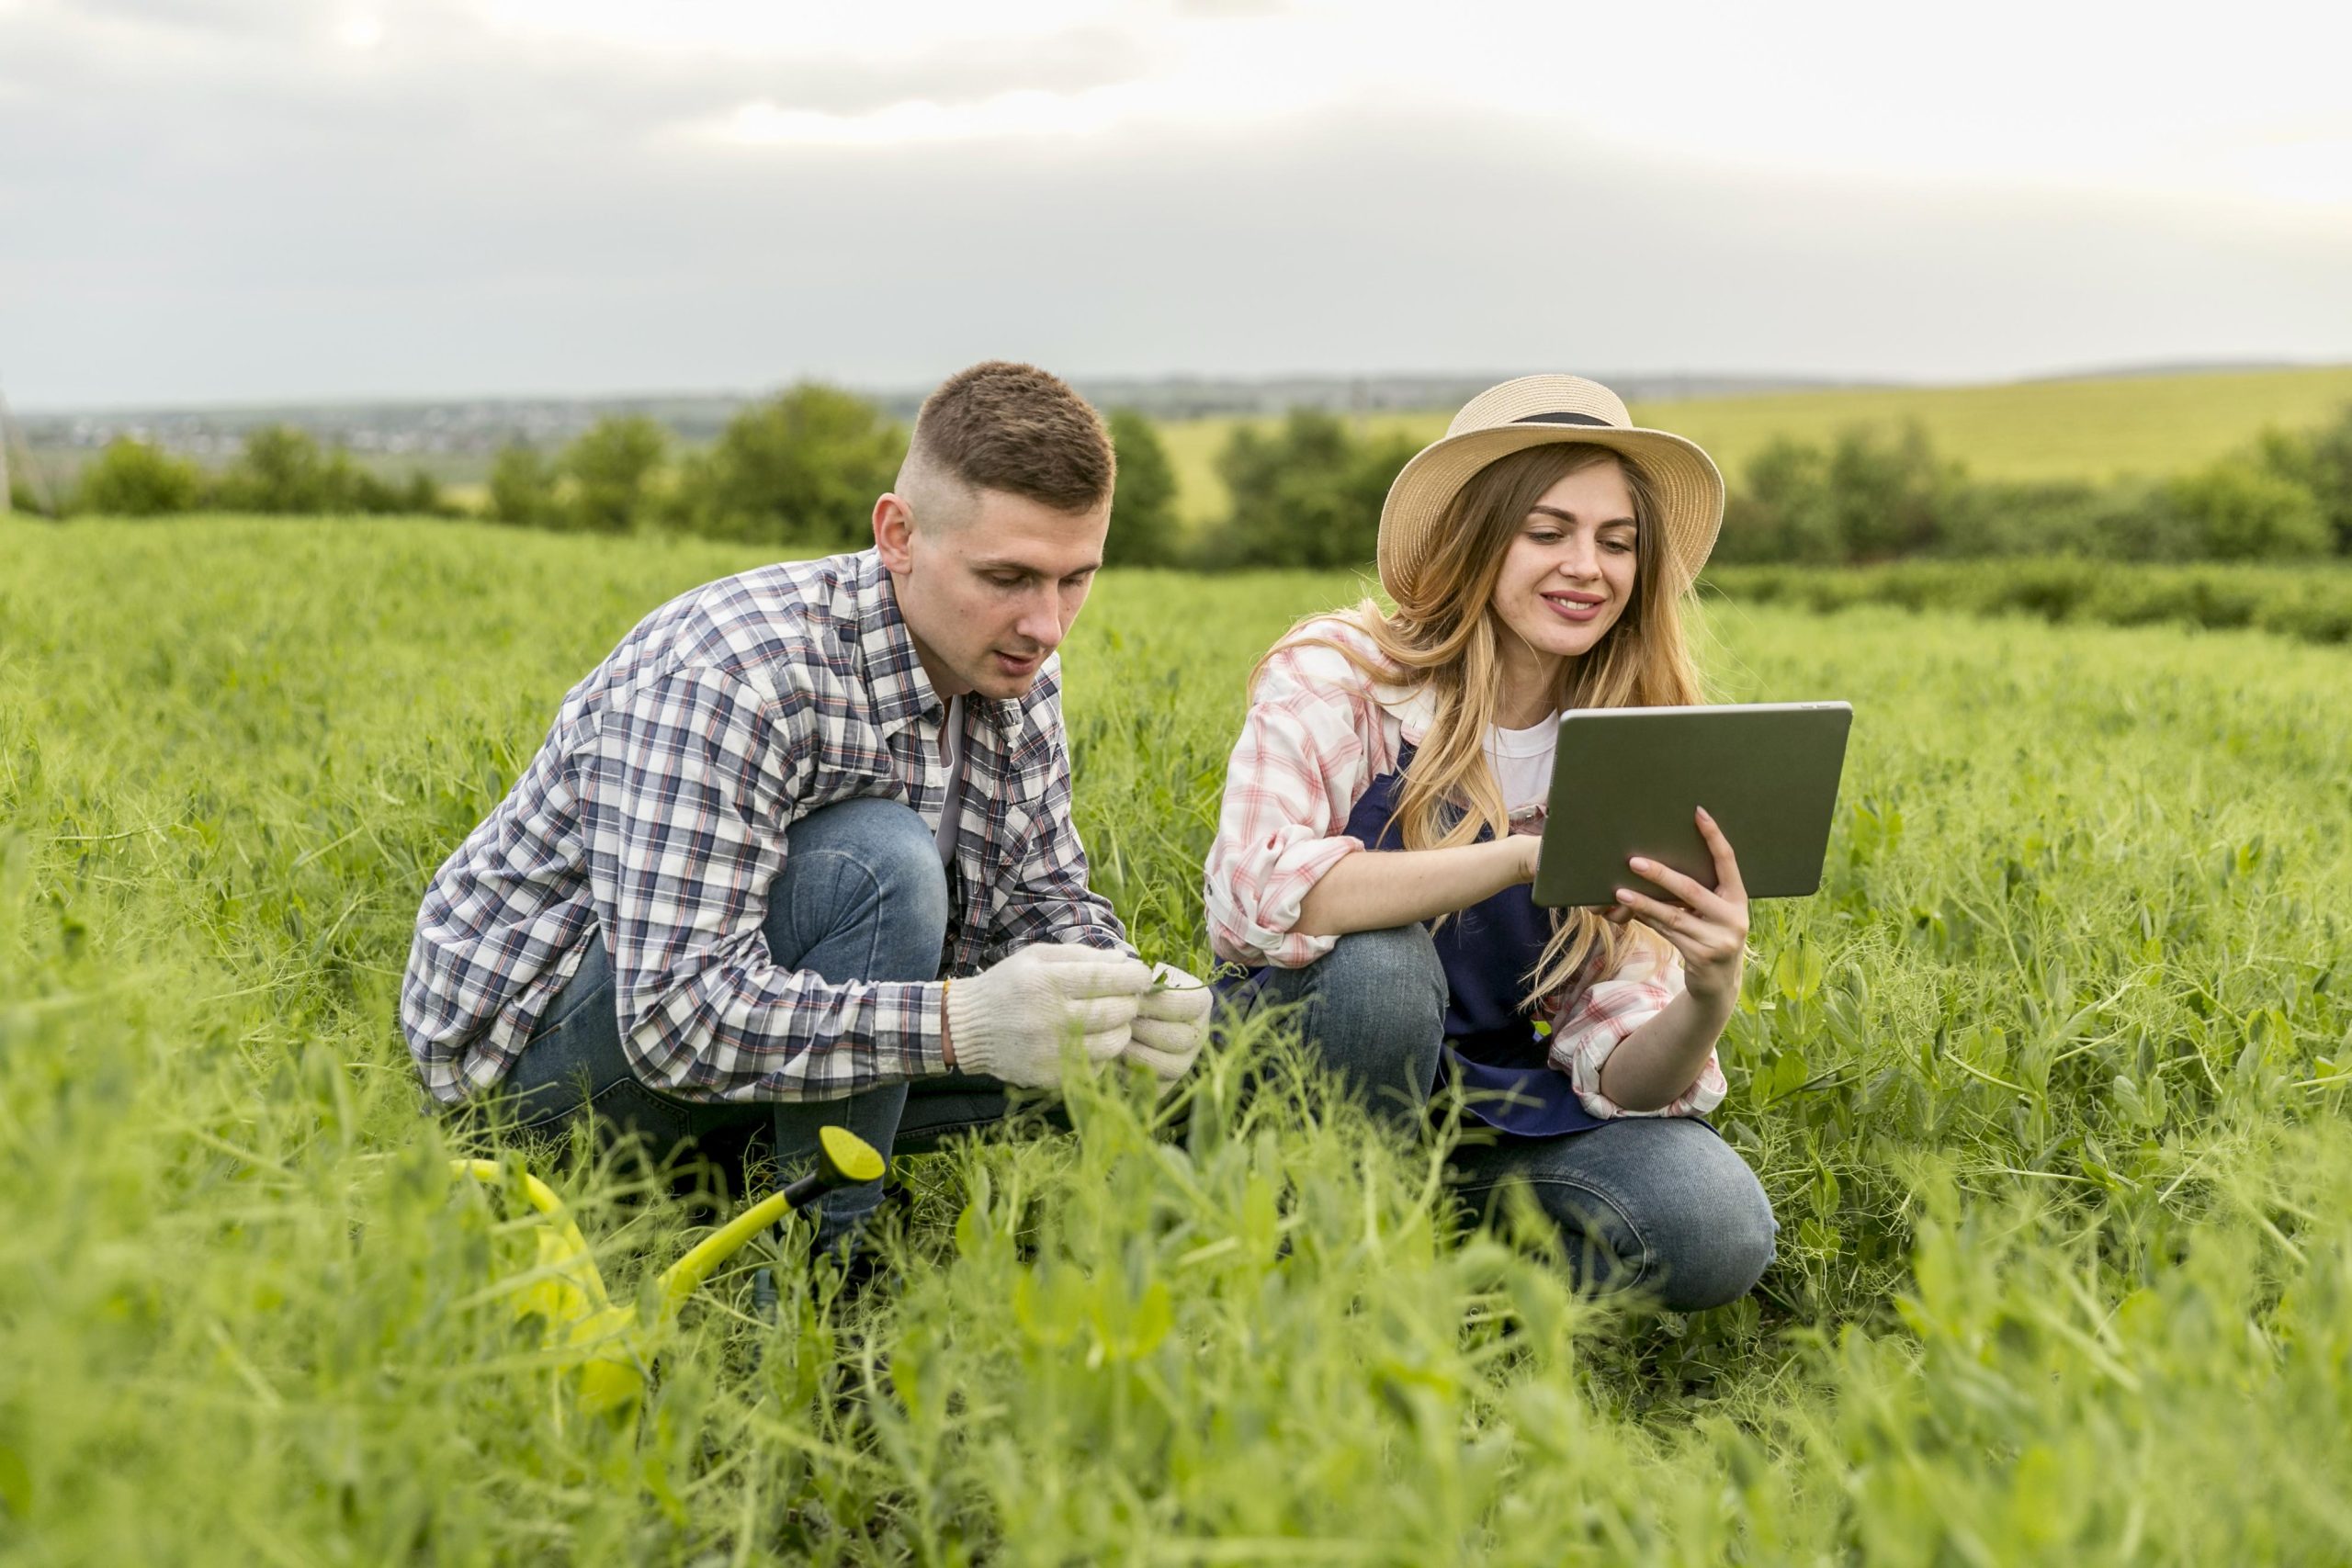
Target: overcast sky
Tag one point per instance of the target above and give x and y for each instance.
(240, 200)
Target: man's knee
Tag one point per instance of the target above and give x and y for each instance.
(869, 866)
(886, 836)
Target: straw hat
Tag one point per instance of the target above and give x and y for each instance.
(1544, 411)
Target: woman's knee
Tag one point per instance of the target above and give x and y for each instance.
(1391, 977)
(1706, 1223)
(1660, 1206)
(1376, 1011)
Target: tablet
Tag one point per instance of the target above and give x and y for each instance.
(1625, 782)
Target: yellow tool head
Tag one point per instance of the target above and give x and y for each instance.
(851, 1154)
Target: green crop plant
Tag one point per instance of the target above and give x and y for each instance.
(2047, 1085)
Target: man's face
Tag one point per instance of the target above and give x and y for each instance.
(990, 588)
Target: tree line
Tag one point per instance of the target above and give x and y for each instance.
(1873, 496)
(1308, 493)
(278, 469)
(799, 473)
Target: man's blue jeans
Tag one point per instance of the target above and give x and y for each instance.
(863, 896)
(1660, 1206)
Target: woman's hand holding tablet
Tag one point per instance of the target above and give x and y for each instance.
(1707, 926)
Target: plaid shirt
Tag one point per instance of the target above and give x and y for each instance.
(1318, 732)
(655, 814)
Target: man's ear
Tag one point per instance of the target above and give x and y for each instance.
(894, 527)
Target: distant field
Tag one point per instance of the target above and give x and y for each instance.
(2088, 429)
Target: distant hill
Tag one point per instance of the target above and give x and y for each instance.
(2169, 367)
(480, 426)
(1193, 398)
(2090, 427)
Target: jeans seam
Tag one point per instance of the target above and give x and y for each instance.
(873, 885)
(1615, 1203)
(550, 1026)
(585, 1103)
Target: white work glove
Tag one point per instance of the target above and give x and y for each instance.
(1010, 1021)
(1172, 1020)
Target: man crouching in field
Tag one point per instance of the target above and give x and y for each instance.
(799, 849)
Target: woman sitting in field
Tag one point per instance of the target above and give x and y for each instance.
(1380, 832)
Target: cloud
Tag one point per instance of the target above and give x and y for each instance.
(231, 200)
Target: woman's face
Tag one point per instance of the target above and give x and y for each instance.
(1568, 573)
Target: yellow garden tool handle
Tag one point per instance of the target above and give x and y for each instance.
(608, 1348)
(562, 1249)
(844, 1159)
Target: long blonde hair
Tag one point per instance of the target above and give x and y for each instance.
(1441, 638)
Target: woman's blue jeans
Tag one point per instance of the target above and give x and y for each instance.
(1659, 1205)
(863, 896)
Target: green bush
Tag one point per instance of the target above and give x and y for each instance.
(1782, 514)
(283, 470)
(132, 478)
(1889, 496)
(2243, 512)
(2129, 520)
(2314, 610)
(1307, 495)
(801, 469)
(422, 497)
(522, 486)
(22, 498)
(1143, 518)
(2321, 461)
(1868, 497)
(610, 467)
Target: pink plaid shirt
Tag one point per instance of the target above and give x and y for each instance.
(1318, 732)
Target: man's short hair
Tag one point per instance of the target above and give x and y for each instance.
(1016, 428)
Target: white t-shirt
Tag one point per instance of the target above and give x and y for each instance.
(951, 743)
(1522, 762)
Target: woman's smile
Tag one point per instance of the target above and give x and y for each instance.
(1575, 606)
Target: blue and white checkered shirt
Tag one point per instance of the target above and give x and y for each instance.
(655, 814)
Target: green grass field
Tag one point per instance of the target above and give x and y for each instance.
(2047, 1084)
(2093, 429)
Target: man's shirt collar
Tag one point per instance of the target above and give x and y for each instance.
(893, 671)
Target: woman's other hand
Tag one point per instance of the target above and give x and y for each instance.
(1527, 838)
(1709, 928)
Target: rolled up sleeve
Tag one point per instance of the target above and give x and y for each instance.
(1305, 755)
(1601, 1016)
